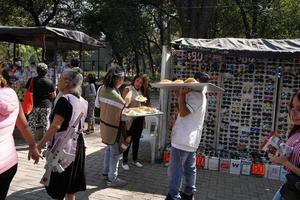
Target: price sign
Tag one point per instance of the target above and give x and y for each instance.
(194, 56)
(200, 161)
(258, 169)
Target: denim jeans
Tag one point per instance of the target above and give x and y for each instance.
(278, 196)
(111, 161)
(183, 163)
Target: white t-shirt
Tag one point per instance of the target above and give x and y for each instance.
(187, 131)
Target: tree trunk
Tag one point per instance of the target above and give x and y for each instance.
(208, 9)
(136, 60)
(245, 20)
(150, 56)
(254, 18)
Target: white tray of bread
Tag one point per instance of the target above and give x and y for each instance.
(189, 82)
(141, 111)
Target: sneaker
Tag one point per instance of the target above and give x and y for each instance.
(116, 183)
(125, 167)
(137, 164)
(185, 196)
(105, 176)
(169, 197)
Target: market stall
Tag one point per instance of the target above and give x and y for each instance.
(51, 40)
(258, 76)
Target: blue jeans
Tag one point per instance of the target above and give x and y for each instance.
(111, 161)
(183, 163)
(278, 196)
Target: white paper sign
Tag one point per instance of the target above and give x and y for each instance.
(235, 167)
(213, 163)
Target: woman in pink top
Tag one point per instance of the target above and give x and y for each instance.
(291, 163)
(11, 114)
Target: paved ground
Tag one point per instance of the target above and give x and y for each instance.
(149, 182)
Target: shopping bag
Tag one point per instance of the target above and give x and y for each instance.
(235, 167)
(200, 161)
(224, 165)
(166, 156)
(206, 162)
(213, 163)
(258, 169)
(274, 172)
(28, 99)
(246, 168)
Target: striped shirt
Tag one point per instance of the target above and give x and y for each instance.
(294, 141)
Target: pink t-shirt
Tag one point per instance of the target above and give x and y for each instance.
(9, 109)
(294, 141)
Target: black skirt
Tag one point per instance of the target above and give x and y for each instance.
(72, 180)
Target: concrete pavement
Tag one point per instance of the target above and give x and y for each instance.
(149, 182)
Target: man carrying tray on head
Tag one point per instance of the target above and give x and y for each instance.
(185, 139)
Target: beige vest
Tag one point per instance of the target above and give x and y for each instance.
(111, 107)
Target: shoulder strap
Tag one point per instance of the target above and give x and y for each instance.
(31, 85)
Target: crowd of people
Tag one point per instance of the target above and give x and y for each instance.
(54, 115)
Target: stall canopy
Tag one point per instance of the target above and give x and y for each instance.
(242, 47)
(49, 38)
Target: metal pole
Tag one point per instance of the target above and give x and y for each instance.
(163, 100)
(55, 60)
(98, 63)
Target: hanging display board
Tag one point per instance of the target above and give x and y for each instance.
(239, 118)
(209, 87)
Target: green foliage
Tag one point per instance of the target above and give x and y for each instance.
(137, 29)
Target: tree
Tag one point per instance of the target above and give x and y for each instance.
(42, 12)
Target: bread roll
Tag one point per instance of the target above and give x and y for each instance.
(190, 80)
(165, 81)
(178, 81)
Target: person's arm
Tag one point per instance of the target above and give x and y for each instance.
(125, 92)
(54, 127)
(285, 162)
(97, 102)
(52, 93)
(26, 133)
(183, 110)
(93, 89)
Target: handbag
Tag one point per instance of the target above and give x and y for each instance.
(28, 99)
(288, 193)
(293, 181)
(291, 189)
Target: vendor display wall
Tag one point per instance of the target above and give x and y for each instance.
(257, 92)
